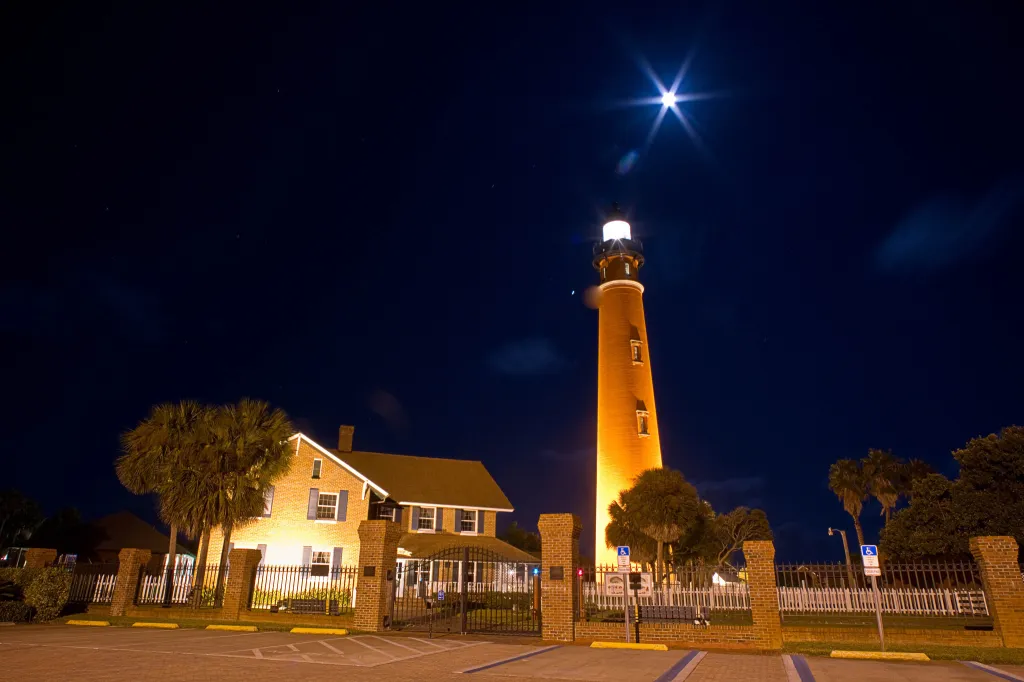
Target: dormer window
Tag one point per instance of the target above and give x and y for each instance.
(642, 419)
(317, 466)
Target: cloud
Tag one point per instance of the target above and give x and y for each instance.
(387, 407)
(949, 229)
(526, 357)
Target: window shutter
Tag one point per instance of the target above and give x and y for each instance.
(263, 553)
(433, 570)
(342, 505)
(268, 502)
(479, 522)
(336, 557)
(415, 518)
(458, 521)
(438, 519)
(314, 497)
(398, 515)
(307, 555)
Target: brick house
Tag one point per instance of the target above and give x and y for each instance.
(312, 514)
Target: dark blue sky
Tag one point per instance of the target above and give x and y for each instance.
(376, 218)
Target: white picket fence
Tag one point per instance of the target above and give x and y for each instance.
(103, 588)
(903, 601)
(152, 589)
(730, 597)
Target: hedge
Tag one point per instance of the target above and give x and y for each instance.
(15, 611)
(45, 589)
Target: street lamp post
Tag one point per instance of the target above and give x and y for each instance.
(846, 549)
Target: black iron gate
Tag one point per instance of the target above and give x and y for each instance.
(466, 589)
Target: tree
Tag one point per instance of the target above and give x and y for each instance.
(847, 480)
(623, 529)
(250, 450)
(662, 505)
(884, 474)
(913, 471)
(521, 538)
(19, 516)
(731, 530)
(156, 456)
(987, 498)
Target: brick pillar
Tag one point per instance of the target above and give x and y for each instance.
(764, 592)
(240, 582)
(378, 554)
(127, 585)
(1004, 589)
(37, 557)
(560, 548)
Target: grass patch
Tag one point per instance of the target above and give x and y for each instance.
(990, 655)
(192, 623)
(895, 621)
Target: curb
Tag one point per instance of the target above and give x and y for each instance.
(880, 655)
(234, 628)
(318, 631)
(161, 626)
(628, 645)
(94, 623)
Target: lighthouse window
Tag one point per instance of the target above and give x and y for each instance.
(641, 423)
(627, 268)
(638, 357)
(604, 273)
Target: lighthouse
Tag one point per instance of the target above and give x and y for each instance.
(627, 421)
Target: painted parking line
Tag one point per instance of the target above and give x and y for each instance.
(354, 651)
(797, 669)
(683, 668)
(993, 671)
(509, 659)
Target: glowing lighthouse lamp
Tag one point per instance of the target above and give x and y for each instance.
(616, 229)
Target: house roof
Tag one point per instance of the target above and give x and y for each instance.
(124, 529)
(430, 480)
(422, 545)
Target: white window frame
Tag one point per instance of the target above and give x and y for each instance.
(317, 470)
(324, 552)
(388, 517)
(636, 352)
(433, 520)
(643, 423)
(473, 516)
(320, 505)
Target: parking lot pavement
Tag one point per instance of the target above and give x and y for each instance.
(581, 663)
(879, 671)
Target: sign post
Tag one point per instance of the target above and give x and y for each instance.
(869, 557)
(622, 554)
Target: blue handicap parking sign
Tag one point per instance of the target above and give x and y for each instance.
(440, 595)
(624, 551)
(869, 550)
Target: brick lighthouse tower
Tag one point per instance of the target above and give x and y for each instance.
(627, 422)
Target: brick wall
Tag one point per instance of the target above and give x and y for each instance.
(378, 549)
(764, 592)
(127, 585)
(241, 579)
(1004, 588)
(683, 634)
(288, 530)
(560, 546)
(893, 635)
(37, 557)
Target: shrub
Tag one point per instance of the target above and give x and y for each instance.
(15, 611)
(48, 593)
(9, 591)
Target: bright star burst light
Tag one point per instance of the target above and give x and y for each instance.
(669, 99)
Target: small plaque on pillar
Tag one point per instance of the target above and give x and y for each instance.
(556, 573)
(390, 575)
(369, 571)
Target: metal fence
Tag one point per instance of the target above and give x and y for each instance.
(93, 583)
(923, 589)
(153, 587)
(306, 589)
(714, 590)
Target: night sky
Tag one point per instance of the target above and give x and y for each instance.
(379, 218)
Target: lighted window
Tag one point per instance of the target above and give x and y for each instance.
(604, 273)
(317, 465)
(386, 513)
(321, 558)
(641, 423)
(426, 521)
(637, 353)
(627, 268)
(471, 572)
(468, 522)
(327, 506)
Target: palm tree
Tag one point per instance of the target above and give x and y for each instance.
(250, 450)
(155, 454)
(663, 505)
(884, 474)
(914, 471)
(847, 480)
(622, 530)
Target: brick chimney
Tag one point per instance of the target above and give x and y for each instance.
(345, 438)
